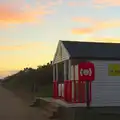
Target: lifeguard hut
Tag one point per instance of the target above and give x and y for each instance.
(75, 63)
(67, 85)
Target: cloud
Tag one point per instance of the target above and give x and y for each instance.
(4, 73)
(82, 30)
(104, 39)
(20, 47)
(82, 19)
(75, 4)
(54, 3)
(96, 3)
(107, 25)
(10, 15)
(17, 45)
(106, 3)
(9, 40)
(97, 26)
(25, 12)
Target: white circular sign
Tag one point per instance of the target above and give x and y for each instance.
(86, 72)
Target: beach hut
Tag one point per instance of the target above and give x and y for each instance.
(104, 89)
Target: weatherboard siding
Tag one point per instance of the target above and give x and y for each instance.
(61, 54)
(105, 88)
(65, 54)
(57, 57)
(76, 72)
(72, 72)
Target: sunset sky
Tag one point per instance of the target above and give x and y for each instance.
(31, 29)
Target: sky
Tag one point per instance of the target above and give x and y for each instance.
(30, 29)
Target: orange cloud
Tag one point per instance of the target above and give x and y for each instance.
(107, 3)
(82, 30)
(107, 25)
(10, 15)
(9, 40)
(82, 19)
(14, 13)
(19, 47)
(104, 39)
(97, 26)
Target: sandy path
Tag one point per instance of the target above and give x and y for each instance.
(13, 108)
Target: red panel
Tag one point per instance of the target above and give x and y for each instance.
(65, 90)
(70, 89)
(81, 92)
(55, 89)
(86, 71)
(75, 90)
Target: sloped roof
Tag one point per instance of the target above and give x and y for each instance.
(78, 49)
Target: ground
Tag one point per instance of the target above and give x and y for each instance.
(13, 107)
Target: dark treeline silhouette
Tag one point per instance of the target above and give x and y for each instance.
(28, 77)
(33, 81)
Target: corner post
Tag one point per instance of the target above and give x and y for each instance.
(87, 94)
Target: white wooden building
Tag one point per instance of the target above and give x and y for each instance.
(105, 89)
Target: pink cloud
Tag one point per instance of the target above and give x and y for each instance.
(24, 13)
(97, 3)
